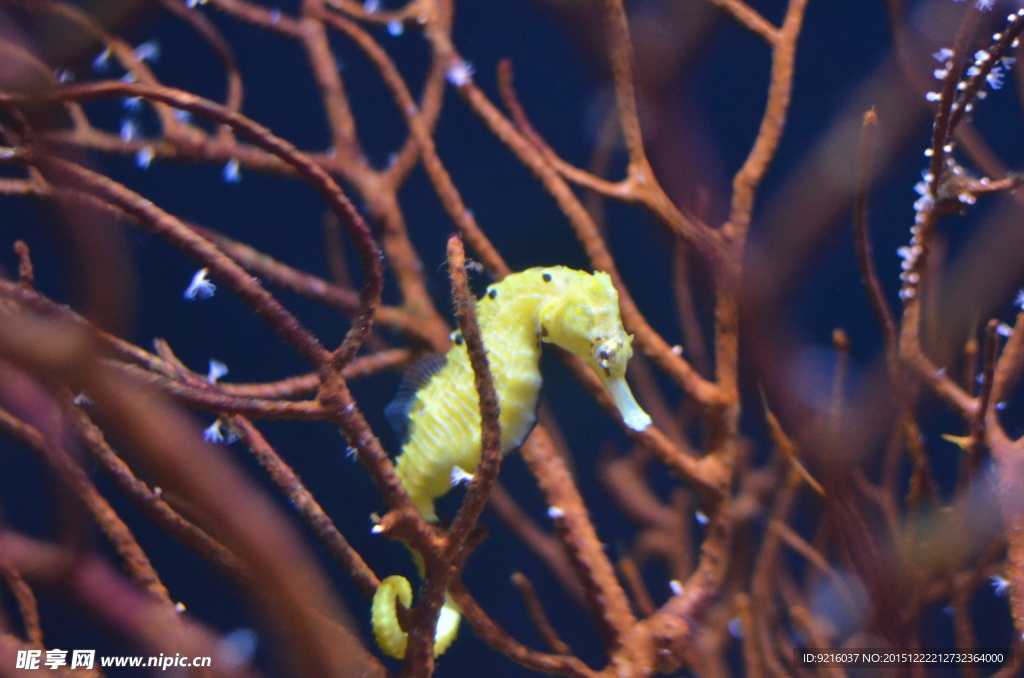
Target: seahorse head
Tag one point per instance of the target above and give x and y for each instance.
(583, 318)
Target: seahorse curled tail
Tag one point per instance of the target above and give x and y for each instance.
(392, 639)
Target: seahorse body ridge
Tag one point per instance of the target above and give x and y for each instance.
(437, 413)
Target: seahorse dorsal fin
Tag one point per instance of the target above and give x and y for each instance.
(415, 378)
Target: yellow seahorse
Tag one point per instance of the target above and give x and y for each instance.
(437, 411)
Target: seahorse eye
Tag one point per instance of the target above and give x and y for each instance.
(546, 277)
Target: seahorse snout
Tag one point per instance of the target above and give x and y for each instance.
(632, 414)
(611, 356)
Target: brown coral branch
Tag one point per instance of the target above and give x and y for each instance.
(604, 594)
(265, 266)
(499, 639)
(987, 377)
(170, 228)
(361, 367)
(11, 51)
(275, 21)
(708, 474)
(150, 501)
(966, 639)
(293, 592)
(665, 532)
(959, 92)
(337, 398)
(202, 25)
(117, 48)
(379, 188)
(117, 347)
(693, 335)
(442, 566)
(74, 477)
(303, 501)
(537, 615)
(490, 434)
(656, 348)
(439, 176)
(933, 376)
(1010, 364)
(651, 397)
(35, 559)
(431, 101)
(328, 79)
(749, 176)
(412, 10)
(544, 545)
(764, 616)
(639, 186)
(25, 275)
(304, 384)
(787, 448)
(637, 588)
(813, 556)
(976, 80)
(671, 631)
(155, 627)
(292, 279)
(199, 147)
(26, 600)
(213, 399)
(640, 175)
(749, 18)
(306, 168)
(753, 662)
(620, 47)
(1010, 466)
(862, 232)
(1009, 456)
(261, 400)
